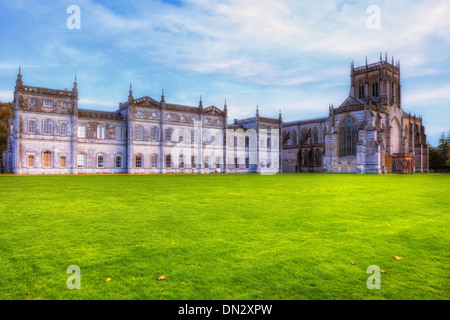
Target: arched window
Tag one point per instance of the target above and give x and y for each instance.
(31, 127)
(375, 89)
(348, 136)
(154, 132)
(139, 161)
(139, 132)
(318, 158)
(154, 160)
(100, 160)
(48, 126)
(361, 91)
(47, 159)
(294, 137)
(169, 132)
(168, 161)
(315, 136)
(181, 162)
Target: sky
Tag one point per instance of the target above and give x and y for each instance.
(287, 55)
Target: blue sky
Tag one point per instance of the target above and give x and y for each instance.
(279, 54)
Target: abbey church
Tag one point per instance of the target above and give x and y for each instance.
(369, 132)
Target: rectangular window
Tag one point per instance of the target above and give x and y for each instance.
(30, 162)
(100, 161)
(48, 103)
(82, 131)
(154, 161)
(101, 131)
(64, 130)
(119, 133)
(118, 161)
(62, 162)
(81, 160)
(31, 127)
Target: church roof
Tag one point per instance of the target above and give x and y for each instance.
(350, 101)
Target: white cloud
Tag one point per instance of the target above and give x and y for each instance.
(6, 96)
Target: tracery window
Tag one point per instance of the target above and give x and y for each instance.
(361, 91)
(348, 136)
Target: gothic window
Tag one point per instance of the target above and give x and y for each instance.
(169, 132)
(81, 160)
(318, 158)
(247, 163)
(100, 160)
(168, 161)
(154, 133)
(64, 129)
(101, 132)
(269, 143)
(48, 126)
(30, 162)
(294, 137)
(315, 136)
(348, 136)
(47, 159)
(361, 91)
(82, 131)
(31, 127)
(139, 132)
(154, 160)
(139, 162)
(247, 142)
(375, 89)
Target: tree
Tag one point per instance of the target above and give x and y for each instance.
(440, 156)
(5, 113)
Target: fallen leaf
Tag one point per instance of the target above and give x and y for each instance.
(29, 293)
(397, 257)
(162, 278)
(353, 262)
(108, 279)
(328, 233)
(383, 271)
(192, 265)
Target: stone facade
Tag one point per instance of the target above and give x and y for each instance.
(368, 133)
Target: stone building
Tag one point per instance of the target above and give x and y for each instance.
(368, 133)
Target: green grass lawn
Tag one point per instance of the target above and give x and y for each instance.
(225, 236)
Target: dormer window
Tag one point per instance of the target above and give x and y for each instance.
(48, 103)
